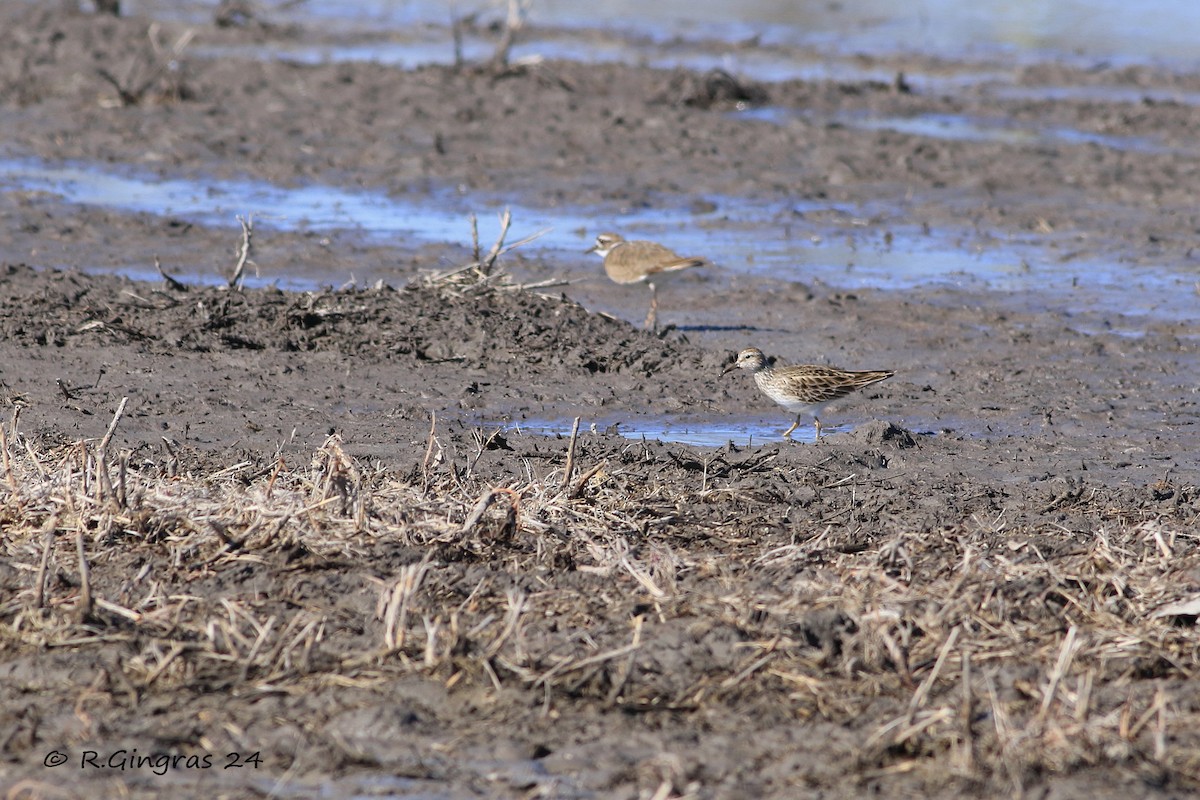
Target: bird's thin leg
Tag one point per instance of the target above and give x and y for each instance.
(788, 433)
(817, 425)
(652, 317)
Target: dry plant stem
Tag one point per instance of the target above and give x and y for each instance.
(131, 94)
(112, 426)
(395, 602)
(483, 265)
(123, 469)
(614, 694)
(1083, 696)
(239, 269)
(8, 470)
(489, 260)
(456, 32)
(599, 658)
(921, 695)
(39, 595)
(1160, 731)
(429, 450)
(486, 264)
(519, 242)
(481, 507)
(968, 742)
(84, 609)
(104, 487)
(474, 238)
(513, 22)
(570, 467)
(1066, 654)
(512, 620)
(577, 489)
(642, 578)
(280, 465)
(172, 282)
(176, 650)
(548, 283)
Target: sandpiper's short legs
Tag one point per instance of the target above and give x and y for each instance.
(803, 389)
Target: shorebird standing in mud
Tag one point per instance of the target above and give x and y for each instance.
(641, 262)
(803, 388)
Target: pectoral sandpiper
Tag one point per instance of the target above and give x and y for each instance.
(803, 388)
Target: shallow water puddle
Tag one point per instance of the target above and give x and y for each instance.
(696, 433)
(1098, 94)
(1114, 30)
(907, 259)
(747, 432)
(437, 48)
(844, 247)
(965, 128)
(217, 202)
(438, 216)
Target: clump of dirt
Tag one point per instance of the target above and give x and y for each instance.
(482, 327)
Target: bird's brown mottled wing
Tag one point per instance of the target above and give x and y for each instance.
(818, 384)
(634, 261)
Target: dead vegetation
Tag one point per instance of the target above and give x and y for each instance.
(984, 654)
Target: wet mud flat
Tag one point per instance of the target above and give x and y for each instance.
(306, 546)
(315, 533)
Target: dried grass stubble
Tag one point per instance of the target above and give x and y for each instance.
(637, 577)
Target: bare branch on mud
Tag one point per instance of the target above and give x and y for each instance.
(48, 531)
(474, 238)
(514, 21)
(112, 426)
(83, 609)
(172, 282)
(482, 269)
(481, 506)
(570, 467)
(456, 34)
(489, 261)
(237, 277)
(577, 489)
(9, 475)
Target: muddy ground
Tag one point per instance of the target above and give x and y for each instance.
(958, 596)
